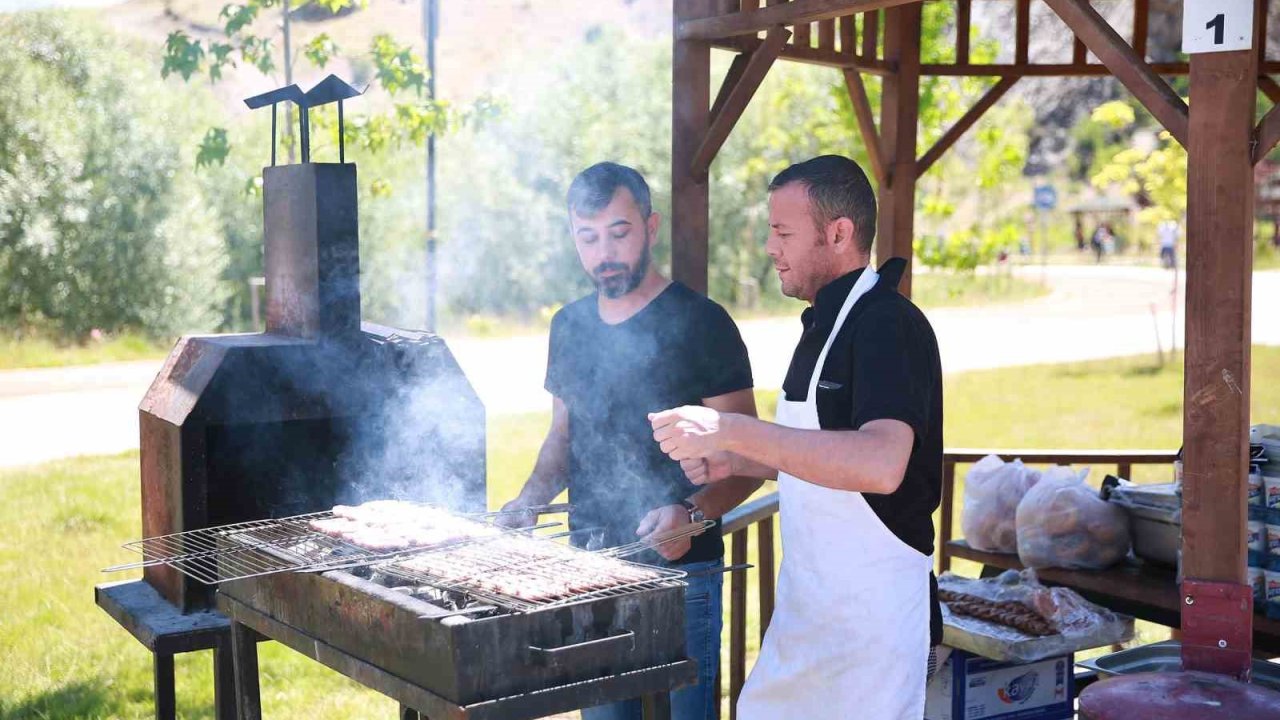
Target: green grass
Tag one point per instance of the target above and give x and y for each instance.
(38, 352)
(944, 289)
(64, 521)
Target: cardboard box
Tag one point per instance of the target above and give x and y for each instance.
(971, 687)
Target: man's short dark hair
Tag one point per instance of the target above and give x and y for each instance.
(594, 187)
(837, 188)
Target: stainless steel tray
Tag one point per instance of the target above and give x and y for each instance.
(1167, 657)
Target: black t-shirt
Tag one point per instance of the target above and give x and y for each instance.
(883, 365)
(677, 350)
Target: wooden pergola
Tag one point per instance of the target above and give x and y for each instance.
(1217, 129)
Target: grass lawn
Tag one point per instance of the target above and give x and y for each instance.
(65, 658)
(42, 352)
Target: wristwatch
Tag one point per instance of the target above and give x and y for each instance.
(695, 513)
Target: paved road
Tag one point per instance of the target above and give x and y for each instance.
(1092, 312)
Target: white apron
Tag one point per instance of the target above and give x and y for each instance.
(849, 636)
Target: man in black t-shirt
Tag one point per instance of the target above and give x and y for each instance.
(639, 344)
(857, 452)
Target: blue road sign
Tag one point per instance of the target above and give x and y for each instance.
(1046, 198)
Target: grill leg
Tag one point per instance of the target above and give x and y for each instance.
(224, 681)
(162, 676)
(408, 713)
(657, 706)
(244, 649)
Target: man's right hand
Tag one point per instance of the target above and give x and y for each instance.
(714, 468)
(515, 516)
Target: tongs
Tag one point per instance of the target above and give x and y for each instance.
(652, 541)
(550, 509)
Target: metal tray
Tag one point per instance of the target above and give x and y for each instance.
(1167, 657)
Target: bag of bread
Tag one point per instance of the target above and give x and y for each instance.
(1063, 523)
(992, 490)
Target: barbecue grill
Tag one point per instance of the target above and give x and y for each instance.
(248, 439)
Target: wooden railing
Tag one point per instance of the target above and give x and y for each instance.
(760, 513)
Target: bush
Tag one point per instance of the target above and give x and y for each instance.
(102, 224)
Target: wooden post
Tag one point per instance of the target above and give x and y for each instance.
(1219, 283)
(690, 118)
(899, 111)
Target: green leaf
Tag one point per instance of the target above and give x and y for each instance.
(220, 57)
(181, 55)
(334, 6)
(396, 66)
(320, 50)
(214, 148)
(257, 52)
(237, 17)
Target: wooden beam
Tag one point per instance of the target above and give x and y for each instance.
(1079, 53)
(1269, 87)
(1215, 429)
(1153, 92)
(1060, 70)
(809, 56)
(1022, 32)
(731, 78)
(690, 118)
(827, 35)
(849, 35)
(866, 123)
(955, 132)
(964, 12)
(871, 35)
(803, 36)
(736, 99)
(899, 112)
(793, 13)
(1267, 134)
(1141, 16)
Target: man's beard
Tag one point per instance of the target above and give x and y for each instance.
(626, 280)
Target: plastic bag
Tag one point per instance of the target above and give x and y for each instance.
(1080, 624)
(1063, 523)
(992, 491)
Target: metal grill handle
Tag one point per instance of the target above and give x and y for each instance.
(592, 652)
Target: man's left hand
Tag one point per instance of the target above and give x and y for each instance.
(691, 431)
(665, 519)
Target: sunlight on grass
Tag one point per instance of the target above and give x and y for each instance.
(37, 352)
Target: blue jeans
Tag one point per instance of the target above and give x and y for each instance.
(702, 623)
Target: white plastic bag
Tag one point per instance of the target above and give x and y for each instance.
(992, 491)
(1063, 523)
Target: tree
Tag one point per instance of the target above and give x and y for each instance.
(100, 224)
(249, 38)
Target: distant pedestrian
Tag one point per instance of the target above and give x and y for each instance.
(1096, 243)
(1167, 234)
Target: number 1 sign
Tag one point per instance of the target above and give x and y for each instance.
(1217, 25)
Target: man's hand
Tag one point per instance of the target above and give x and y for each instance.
(665, 519)
(689, 432)
(715, 467)
(515, 516)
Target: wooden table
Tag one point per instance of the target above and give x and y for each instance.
(166, 631)
(1145, 591)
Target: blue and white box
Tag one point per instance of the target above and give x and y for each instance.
(971, 687)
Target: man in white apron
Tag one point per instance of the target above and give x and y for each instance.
(857, 452)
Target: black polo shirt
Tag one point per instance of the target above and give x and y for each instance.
(883, 364)
(677, 350)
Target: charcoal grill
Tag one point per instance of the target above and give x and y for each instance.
(245, 438)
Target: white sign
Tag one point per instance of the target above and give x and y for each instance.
(1217, 25)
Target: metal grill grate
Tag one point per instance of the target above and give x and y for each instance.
(263, 547)
(526, 574)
